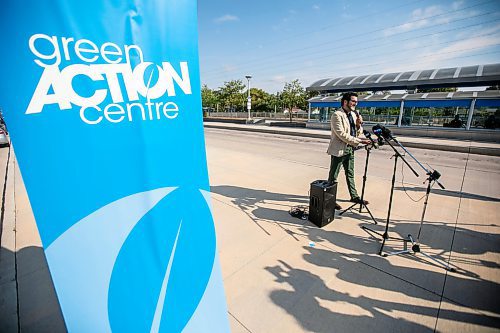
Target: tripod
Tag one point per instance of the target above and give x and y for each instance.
(385, 236)
(362, 202)
(433, 177)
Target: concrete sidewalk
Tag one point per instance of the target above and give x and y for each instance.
(28, 302)
(460, 146)
(283, 274)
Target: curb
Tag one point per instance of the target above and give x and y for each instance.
(489, 151)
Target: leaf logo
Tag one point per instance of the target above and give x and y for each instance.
(139, 264)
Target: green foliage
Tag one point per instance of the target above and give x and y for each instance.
(274, 101)
(293, 95)
(232, 95)
(260, 100)
(209, 97)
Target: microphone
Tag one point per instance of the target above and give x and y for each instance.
(380, 130)
(357, 116)
(369, 136)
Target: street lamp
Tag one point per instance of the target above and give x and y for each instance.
(249, 99)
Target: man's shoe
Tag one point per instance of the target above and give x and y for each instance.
(358, 201)
(337, 206)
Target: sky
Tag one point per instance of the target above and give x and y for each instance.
(278, 41)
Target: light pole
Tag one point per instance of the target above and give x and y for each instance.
(249, 98)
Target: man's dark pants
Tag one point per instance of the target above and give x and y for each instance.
(347, 161)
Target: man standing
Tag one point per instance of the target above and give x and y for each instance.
(346, 127)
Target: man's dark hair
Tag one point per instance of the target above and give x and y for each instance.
(347, 97)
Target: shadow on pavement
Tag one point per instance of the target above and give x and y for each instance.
(464, 289)
(454, 194)
(249, 200)
(371, 313)
(32, 300)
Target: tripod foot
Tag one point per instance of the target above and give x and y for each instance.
(416, 249)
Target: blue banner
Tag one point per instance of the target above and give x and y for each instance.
(102, 100)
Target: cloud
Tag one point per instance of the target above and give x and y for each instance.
(229, 68)
(433, 15)
(469, 34)
(449, 56)
(316, 7)
(457, 4)
(482, 31)
(426, 12)
(290, 16)
(471, 45)
(420, 17)
(278, 78)
(226, 18)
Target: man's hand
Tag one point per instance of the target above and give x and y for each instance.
(365, 141)
(359, 120)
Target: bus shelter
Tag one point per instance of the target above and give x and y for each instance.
(469, 109)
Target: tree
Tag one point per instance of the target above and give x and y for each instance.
(260, 100)
(274, 101)
(309, 95)
(293, 95)
(232, 94)
(208, 97)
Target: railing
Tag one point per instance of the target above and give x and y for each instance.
(433, 121)
(263, 115)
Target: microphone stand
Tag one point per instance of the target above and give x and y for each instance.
(385, 236)
(432, 178)
(362, 203)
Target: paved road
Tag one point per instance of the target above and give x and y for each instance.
(454, 145)
(311, 152)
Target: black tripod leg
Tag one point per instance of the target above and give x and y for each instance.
(369, 212)
(345, 210)
(371, 231)
(386, 232)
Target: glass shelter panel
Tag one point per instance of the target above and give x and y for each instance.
(321, 114)
(449, 116)
(486, 117)
(380, 115)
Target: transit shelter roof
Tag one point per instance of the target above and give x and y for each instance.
(468, 76)
(436, 99)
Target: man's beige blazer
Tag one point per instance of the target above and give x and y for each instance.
(341, 136)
